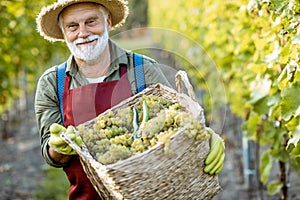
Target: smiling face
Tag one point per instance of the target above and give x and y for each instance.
(85, 27)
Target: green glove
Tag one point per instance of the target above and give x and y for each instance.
(58, 144)
(216, 157)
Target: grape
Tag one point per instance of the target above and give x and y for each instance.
(124, 140)
(138, 146)
(110, 138)
(115, 153)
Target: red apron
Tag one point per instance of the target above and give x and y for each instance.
(80, 105)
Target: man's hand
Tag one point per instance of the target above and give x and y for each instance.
(216, 157)
(60, 146)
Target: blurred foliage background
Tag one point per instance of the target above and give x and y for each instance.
(254, 46)
(24, 53)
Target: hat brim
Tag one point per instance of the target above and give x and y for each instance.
(47, 19)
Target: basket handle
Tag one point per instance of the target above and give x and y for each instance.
(181, 76)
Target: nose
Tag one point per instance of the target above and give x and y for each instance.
(83, 31)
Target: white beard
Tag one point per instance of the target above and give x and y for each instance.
(89, 52)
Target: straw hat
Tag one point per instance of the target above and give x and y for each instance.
(47, 19)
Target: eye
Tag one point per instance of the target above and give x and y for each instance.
(91, 22)
(72, 27)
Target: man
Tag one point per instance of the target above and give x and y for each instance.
(98, 75)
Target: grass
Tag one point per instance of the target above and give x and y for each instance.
(54, 186)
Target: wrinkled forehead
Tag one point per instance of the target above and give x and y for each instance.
(87, 6)
(82, 10)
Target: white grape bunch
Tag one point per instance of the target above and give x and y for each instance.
(112, 139)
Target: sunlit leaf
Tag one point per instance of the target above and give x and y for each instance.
(16, 8)
(261, 107)
(265, 167)
(294, 140)
(280, 154)
(297, 76)
(272, 57)
(296, 150)
(293, 124)
(282, 80)
(260, 43)
(285, 54)
(258, 69)
(260, 89)
(294, 134)
(252, 125)
(290, 105)
(274, 187)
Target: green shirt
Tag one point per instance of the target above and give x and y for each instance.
(46, 100)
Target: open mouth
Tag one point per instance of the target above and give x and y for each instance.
(87, 42)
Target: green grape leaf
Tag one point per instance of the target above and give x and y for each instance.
(260, 43)
(282, 80)
(266, 163)
(278, 4)
(258, 69)
(16, 8)
(293, 124)
(297, 162)
(274, 187)
(297, 76)
(285, 54)
(261, 107)
(274, 112)
(280, 154)
(294, 140)
(273, 56)
(269, 130)
(294, 144)
(290, 105)
(260, 89)
(274, 106)
(251, 125)
(274, 99)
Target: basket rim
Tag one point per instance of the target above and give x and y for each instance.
(158, 87)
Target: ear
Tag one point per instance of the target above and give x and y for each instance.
(109, 26)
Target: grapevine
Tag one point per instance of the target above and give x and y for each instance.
(253, 52)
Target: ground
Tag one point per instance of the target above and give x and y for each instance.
(20, 161)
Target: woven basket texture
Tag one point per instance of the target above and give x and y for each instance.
(155, 174)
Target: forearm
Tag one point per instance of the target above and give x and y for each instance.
(44, 122)
(53, 158)
(47, 112)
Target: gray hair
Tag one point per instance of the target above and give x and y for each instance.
(102, 9)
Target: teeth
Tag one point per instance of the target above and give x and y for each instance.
(84, 42)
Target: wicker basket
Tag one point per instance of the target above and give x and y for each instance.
(154, 174)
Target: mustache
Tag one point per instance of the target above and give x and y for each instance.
(85, 40)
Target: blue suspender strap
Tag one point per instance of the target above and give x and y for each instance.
(139, 72)
(61, 73)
